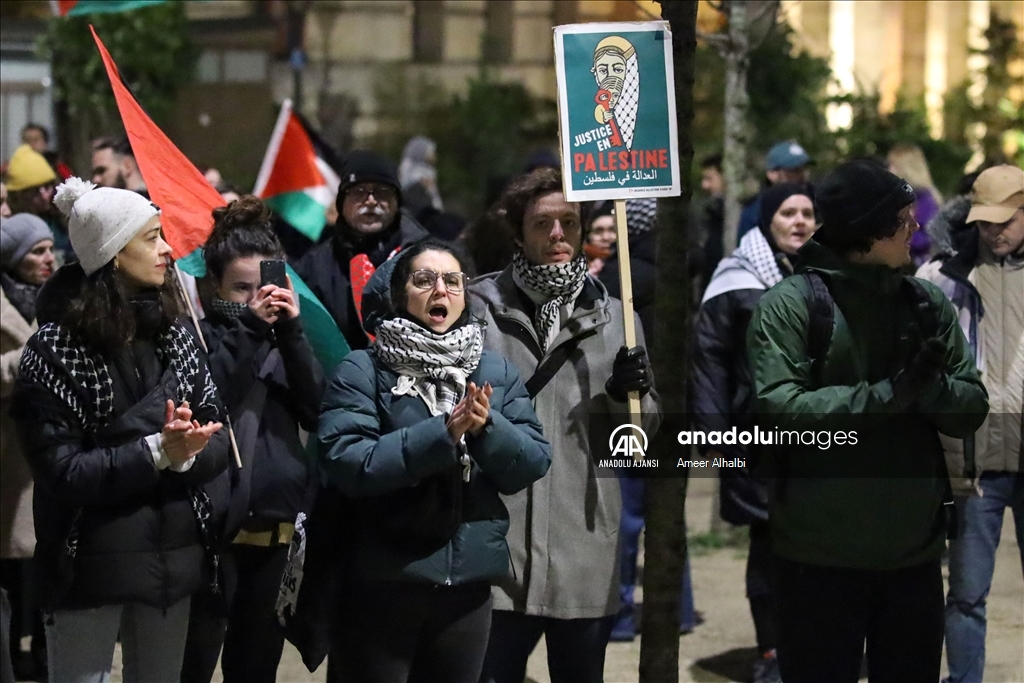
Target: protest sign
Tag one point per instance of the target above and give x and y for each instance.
(617, 127)
(617, 110)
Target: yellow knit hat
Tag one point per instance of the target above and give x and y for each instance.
(28, 168)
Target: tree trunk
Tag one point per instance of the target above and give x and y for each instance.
(665, 539)
(737, 133)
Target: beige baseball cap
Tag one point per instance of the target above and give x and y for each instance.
(997, 194)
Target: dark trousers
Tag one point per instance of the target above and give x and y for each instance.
(632, 523)
(250, 634)
(6, 667)
(826, 614)
(761, 590)
(26, 617)
(395, 632)
(576, 647)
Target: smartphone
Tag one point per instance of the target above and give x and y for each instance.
(272, 273)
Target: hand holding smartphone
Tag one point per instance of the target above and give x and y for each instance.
(272, 272)
(280, 300)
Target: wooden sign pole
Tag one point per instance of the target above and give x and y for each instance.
(626, 288)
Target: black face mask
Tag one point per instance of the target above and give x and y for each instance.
(228, 309)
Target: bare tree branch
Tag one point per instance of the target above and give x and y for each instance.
(719, 41)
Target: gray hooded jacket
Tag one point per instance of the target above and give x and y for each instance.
(564, 531)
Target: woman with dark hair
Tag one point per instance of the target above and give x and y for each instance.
(120, 422)
(424, 431)
(271, 385)
(722, 384)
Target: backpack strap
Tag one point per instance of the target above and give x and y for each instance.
(819, 328)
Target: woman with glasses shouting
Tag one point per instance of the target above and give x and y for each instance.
(424, 431)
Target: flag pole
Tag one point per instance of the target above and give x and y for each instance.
(183, 293)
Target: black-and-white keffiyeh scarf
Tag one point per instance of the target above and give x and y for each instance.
(755, 248)
(70, 368)
(175, 349)
(228, 309)
(560, 283)
(433, 366)
(641, 215)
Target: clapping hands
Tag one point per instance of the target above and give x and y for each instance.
(471, 413)
(182, 437)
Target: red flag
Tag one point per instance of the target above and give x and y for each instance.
(185, 198)
(62, 7)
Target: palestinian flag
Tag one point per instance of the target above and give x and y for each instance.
(186, 204)
(73, 8)
(294, 180)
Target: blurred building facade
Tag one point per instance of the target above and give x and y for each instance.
(355, 66)
(913, 47)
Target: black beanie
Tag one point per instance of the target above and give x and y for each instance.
(775, 196)
(364, 166)
(860, 196)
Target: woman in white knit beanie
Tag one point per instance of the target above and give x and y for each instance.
(119, 420)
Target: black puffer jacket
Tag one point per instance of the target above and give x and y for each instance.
(722, 383)
(243, 352)
(325, 269)
(642, 253)
(134, 528)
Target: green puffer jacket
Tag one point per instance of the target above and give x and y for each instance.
(374, 443)
(876, 504)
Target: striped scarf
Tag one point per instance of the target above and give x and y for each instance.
(433, 366)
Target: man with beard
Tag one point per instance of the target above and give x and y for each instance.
(371, 228)
(618, 80)
(106, 164)
(564, 333)
(114, 165)
(984, 280)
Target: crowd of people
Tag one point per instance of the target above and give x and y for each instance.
(169, 468)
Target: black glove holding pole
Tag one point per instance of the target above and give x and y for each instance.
(924, 370)
(630, 372)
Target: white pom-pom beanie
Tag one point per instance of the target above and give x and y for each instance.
(101, 221)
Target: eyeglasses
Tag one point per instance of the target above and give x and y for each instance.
(427, 279)
(382, 193)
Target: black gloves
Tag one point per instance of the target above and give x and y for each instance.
(630, 372)
(924, 370)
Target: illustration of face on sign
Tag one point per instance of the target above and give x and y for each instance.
(618, 81)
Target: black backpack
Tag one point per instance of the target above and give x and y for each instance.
(821, 309)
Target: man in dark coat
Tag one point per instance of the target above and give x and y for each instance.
(371, 228)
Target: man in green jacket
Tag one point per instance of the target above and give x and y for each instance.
(856, 512)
